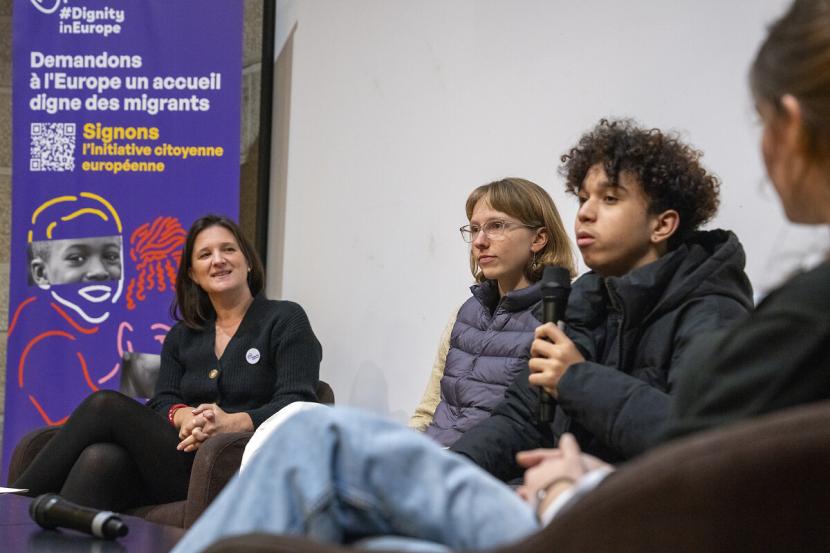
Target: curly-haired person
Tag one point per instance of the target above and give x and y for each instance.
(345, 483)
(656, 282)
(666, 170)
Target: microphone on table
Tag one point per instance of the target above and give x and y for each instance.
(51, 511)
(556, 287)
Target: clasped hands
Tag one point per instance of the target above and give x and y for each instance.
(551, 354)
(550, 472)
(199, 424)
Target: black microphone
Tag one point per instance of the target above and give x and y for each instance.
(51, 510)
(556, 287)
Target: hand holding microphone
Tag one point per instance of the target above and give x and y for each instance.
(551, 352)
(51, 511)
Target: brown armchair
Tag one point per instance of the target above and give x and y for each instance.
(760, 485)
(216, 462)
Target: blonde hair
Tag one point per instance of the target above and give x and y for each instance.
(531, 205)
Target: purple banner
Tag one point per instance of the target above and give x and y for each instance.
(125, 129)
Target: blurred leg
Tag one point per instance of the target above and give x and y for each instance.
(337, 475)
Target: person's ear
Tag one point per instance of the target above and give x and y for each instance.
(540, 240)
(38, 271)
(793, 147)
(665, 224)
(790, 125)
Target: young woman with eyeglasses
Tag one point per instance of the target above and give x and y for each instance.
(514, 230)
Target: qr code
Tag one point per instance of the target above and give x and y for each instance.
(53, 147)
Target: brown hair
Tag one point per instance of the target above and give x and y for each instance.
(531, 205)
(192, 304)
(795, 59)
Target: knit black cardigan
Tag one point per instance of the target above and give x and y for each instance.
(271, 361)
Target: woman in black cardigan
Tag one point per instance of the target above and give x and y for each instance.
(234, 359)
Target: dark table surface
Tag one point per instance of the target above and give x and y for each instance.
(19, 534)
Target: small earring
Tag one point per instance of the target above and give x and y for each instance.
(249, 269)
(534, 264)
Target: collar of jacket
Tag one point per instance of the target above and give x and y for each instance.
(709, 262)
(487, 294)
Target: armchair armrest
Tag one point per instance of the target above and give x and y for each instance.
(216, 462)
(27, 449)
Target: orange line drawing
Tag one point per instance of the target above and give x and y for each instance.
(89, 382)
(31, 344)
(43, 414)
(156, 248)
(17, 311)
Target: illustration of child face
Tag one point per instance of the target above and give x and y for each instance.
(93, 259)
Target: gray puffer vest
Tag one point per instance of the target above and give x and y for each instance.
(490, 344)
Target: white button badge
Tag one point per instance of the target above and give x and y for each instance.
(252, 356)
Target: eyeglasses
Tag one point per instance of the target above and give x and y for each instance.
(494, 230)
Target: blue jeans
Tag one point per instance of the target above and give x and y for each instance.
(338, 474)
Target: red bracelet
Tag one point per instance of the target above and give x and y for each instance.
(172, 411)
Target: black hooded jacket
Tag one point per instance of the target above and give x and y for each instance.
(633, 331)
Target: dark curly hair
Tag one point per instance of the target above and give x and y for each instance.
(668, 170)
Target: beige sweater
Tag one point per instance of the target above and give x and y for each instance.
(432, 395)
